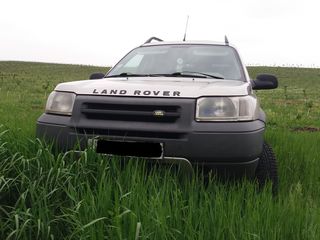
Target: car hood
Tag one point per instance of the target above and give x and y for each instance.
(176, 87)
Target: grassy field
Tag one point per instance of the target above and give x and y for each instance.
(55, 196)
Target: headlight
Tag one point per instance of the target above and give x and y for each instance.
(227, 109)
(60, 103)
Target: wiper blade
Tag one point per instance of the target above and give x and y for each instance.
(124, 74)
(195, 74)
(141, 75)
(175, 74)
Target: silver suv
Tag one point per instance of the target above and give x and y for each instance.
(190, 103)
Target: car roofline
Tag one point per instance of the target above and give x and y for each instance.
(185, 43)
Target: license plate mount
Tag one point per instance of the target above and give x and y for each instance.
(129, 148)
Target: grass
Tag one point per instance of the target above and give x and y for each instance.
(62, 196)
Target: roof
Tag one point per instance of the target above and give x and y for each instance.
(183, 43)
(154, 41)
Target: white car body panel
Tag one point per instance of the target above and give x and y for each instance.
(158, 87)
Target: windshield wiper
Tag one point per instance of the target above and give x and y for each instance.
(124, 74)
(175, 74)
(195, 74)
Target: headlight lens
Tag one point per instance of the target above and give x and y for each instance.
(227, 109)
(60, 103)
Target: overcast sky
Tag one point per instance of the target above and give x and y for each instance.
(99, 32)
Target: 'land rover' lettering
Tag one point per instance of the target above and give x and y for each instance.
(137, 92)
(176, 93)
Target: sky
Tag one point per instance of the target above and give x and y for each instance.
(100, 32)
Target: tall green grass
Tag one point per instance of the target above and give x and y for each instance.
(63, 196)
(46, 195)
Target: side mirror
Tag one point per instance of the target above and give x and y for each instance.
(265, 81)
(97, 76)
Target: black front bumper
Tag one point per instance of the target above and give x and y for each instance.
(223, 145)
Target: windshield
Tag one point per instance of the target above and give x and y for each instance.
(213, 61)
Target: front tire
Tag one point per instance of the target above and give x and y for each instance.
(267, 169)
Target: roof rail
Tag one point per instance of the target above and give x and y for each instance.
(153, 38)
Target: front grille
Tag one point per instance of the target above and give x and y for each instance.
(134, 118)
(130, 112)
(130, 133)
